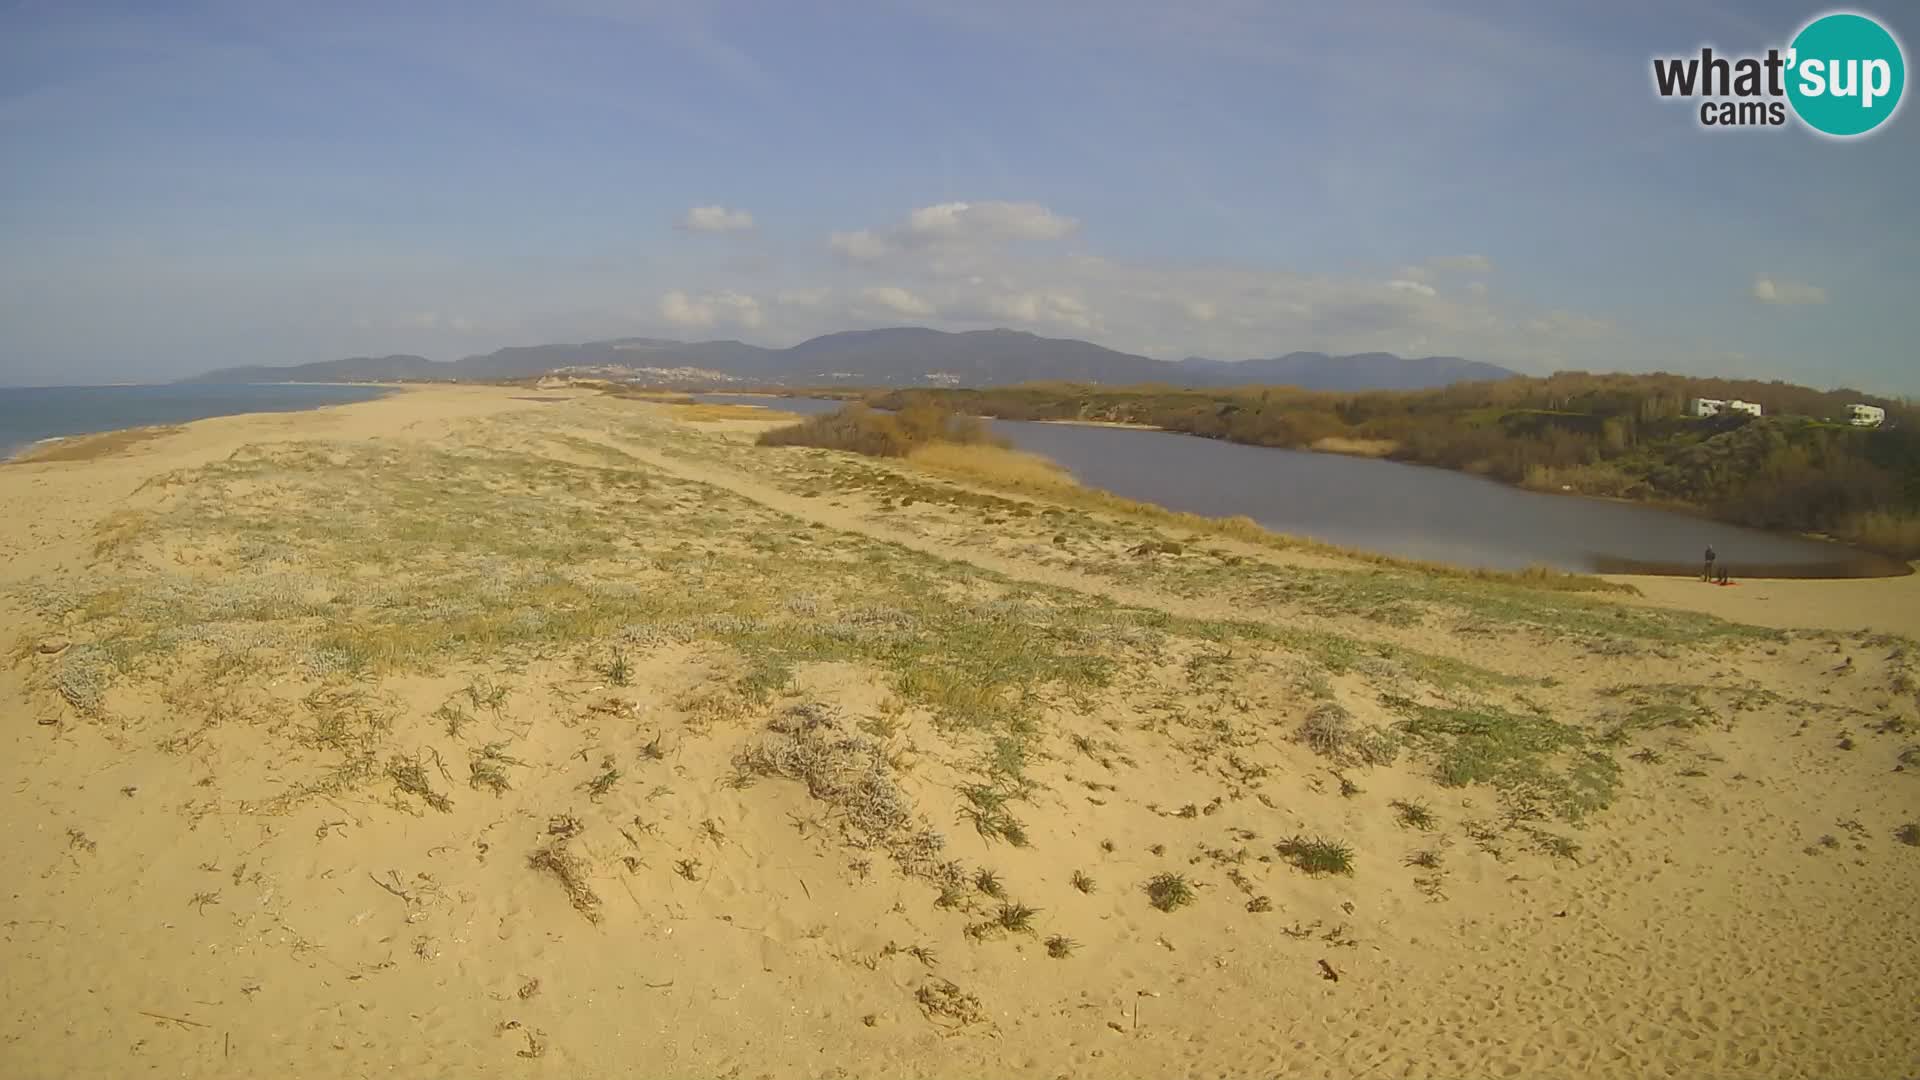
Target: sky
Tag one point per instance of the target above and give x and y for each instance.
(190, 185)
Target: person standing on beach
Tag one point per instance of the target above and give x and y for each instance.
(1707, 574)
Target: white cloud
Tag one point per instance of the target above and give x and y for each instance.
(716, 219)
(1041, 308)
(689, 312)
(955, 224)
(1415, 287)
(1774, 291)
(1005, 220)
(897, 300)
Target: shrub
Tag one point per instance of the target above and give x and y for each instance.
(1317, 856)
(1170, 891)
(1413, 815)
(1328, 730)
(856, 428)
(868, 431)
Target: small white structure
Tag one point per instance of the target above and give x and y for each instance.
(1751, 408)
(1866, 415)
(1706, 406)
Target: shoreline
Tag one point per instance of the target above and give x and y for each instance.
(1852, 562)
(1097, 423)
(1662, 505)
(35, 450)
(1883, 566)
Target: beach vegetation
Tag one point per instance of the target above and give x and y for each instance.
(1170, 892)
(1317, 856)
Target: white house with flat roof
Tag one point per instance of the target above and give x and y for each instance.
(1866, 415)
(1706, 406)
(1751, 408)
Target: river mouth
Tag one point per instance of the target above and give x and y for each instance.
(1414, 512)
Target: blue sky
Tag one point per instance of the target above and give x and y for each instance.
(191, 185)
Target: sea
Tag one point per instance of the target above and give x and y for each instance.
(31, 414)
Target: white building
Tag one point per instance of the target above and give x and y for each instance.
(1751, 408)
(1866, 415)
(1706, 406)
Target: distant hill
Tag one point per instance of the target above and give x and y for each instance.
(899, 356)
(1362, 371)
(353, 369)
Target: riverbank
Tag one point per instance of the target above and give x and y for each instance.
(1420, 513)
(480, 731)
(1603, 435)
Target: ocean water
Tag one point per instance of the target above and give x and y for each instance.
(30, 414)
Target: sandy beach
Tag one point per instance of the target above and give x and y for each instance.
(493, 732)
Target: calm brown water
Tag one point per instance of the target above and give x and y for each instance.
(1411, 511)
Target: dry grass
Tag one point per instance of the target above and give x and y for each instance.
(1601, 480)
(1883, 530)
(410, 775)
(994, 464)
(701, 413)
(1329, 731)
(487, 769)
(571, 872)
(850, 772)
(89, 447)
(1336, 444)
(944, 1002)
(664, 397)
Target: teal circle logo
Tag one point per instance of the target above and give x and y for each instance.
(1845, 74)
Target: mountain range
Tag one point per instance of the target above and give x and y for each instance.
(900, 356)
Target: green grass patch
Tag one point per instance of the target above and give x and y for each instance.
(1532, 760)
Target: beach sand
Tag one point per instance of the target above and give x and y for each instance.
(481, 732)
(1890, 605)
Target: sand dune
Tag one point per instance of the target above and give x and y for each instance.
(463, 733)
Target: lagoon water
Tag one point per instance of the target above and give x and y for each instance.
(1411, 511)
(30, 414)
